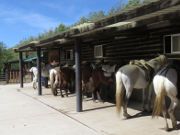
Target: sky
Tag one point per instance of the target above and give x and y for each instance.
(20, 19)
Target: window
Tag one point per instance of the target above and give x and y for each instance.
(98, 51)
(176, 44)
(69, 54)
(172, 43)
(167, 44)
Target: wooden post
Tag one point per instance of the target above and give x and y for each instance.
(7, 75)
(39, 70)
(21, 68)
(78, 77)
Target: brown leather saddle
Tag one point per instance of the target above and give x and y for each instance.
(149, 71)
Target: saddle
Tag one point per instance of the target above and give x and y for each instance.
(149, 71)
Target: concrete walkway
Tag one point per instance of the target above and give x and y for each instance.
(23, 112)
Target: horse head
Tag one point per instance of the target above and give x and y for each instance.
(158, 62)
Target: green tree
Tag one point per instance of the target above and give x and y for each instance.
(148, 1)
(94, 16)
(61, 28)
(112, 11)
(132, 4)
(6, 55)
(81, 21)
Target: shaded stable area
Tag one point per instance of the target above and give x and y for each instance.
(140, 33)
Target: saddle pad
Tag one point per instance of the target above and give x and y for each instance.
(57, 68)
(108, 68)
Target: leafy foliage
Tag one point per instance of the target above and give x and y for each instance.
(6, 55)
(44, 35)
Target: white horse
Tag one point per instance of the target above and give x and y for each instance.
(132, 76)
(165, 84)
(35, 76)
(54, 75)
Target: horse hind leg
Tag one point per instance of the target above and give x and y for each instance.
(99, 96)
(66, 92)
(126, 100)
(94, 96)
(61, 93)
(164, 112)
(34, 85)
(173, 105)
(146, 99)
(67, 88)
(151, 98)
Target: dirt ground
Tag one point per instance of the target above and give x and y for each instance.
(22, 110)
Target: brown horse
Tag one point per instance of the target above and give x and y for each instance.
(66, 80)
(94, 80)
(62, 78)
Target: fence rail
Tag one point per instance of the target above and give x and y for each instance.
(2, 76)
(12, 76)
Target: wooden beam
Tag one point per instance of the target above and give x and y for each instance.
(31, 44)
(27, 50)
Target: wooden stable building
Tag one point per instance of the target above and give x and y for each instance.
(140, 33)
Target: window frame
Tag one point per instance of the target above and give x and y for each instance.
(171, 36)
(95, 48)
(71, 54)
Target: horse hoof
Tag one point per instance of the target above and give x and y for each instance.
(95, 101)
(62, 96)
(101, 101)
(145, 110)
(126, 116)
(175, 127)
(166, 129)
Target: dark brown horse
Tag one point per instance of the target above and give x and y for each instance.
(66, 80)
(94, 80)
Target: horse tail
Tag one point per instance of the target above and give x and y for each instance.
(119, 92)
(51, 76)
(160, 97)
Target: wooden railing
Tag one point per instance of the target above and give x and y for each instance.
(13, 76)
(2, 77)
